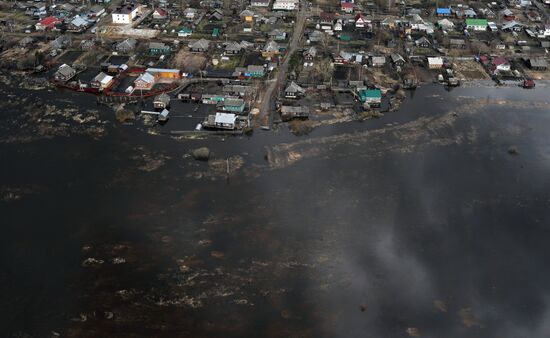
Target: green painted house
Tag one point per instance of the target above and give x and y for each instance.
(233, 105)
(159, 48)
(215, 32)
(185, 32)
(476, 24)
(370, 96)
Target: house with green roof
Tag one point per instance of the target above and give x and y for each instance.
(476, 24)
(185, 32)
(371, 96)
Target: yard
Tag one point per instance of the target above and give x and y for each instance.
(188, 62)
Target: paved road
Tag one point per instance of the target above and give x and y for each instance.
(275, 86)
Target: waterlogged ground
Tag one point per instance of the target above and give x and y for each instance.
(430, 222)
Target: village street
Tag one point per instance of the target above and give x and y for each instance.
(266, 110)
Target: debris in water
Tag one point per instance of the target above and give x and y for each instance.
(513, 150)
(413, 332)
(201, 154)
(118, 260)
(440, 305)
(468, 318)
(92, 262)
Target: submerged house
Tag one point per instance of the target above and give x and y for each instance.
(145, 81)
(102, 81)
(64, 73)
(161, 101)
(234, 105)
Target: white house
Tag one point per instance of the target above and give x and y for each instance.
(126, 13)
(287, 5)
(435, 63)
(259, 3)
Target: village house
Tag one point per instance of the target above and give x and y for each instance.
(476, 24)
(361, 21)
(87, 45)
(423, 42)
(25, 42)
(500, 64)
(48, 24)
(378, 61)
(124, 14)
(293, 91)
(512, 26)
(233, 48)
(544, 30)
(95, 12)
(457, 43)
(507, 15)
(64, 73)
(199, 45)
(102, 81)
(347, 7)
(61, 42)
(285, 5)
(538, 63)
(160, 14)
(497, 44)
(126, 46)
(397, 60)
(446, 24)
(216, 15)
(292, 112)
(277, 35)
(239, 90)
(223, 121)
(247, 16)
(234, 105)
(372, 97)
(435, 62)
(326, 19)
(466, 13)
(443, 12)
(185, 32)
(159, 48)
(254, 71)
(161, 101)
(190, 13)
(78, 24)
(259, 3)
(487, 13)
(162, 73)
(310, 53)
(270, 49)
(145, 81)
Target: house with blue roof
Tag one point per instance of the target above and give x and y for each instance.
(443, 11)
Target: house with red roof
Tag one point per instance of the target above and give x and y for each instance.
(500, 64)
(347, 7)
(361, 21)
(160, 14)
(48, 23)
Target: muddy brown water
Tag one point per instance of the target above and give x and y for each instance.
(420, 223)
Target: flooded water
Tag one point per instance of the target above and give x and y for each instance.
(432, 221)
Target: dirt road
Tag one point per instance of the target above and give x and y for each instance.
(275, 86)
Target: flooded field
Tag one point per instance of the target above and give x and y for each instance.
(432, 221)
